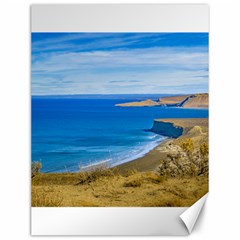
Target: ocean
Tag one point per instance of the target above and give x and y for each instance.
(70, 133)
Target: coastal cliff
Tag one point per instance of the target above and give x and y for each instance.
(199, 100)
(168, 129)
(175, 127)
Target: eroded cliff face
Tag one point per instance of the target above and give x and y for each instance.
(196, 101)
(167, 129)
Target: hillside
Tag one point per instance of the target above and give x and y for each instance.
(186, 101)
(145, 103)
(172, 99)
(198, 101)
(106, 188)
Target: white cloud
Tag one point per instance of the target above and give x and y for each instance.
(153, 69)
(177, 57)
(87, 41)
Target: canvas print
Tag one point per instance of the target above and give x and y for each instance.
(119, 119)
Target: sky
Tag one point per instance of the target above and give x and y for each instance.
(119, 63)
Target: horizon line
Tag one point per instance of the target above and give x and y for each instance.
(77, 94)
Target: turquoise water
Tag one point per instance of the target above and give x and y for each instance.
(69, 133)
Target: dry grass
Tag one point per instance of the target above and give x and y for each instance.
(86, 177)
(133, 183)
(107, 188)
(43, 197)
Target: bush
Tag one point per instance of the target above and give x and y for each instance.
(86, 177)
(187, 146)
(35, 168)
(187, 161)
(204, 149)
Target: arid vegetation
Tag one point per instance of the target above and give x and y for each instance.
(187, 160)
(35, 168)
(107, 187)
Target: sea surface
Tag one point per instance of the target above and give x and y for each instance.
(70, 133)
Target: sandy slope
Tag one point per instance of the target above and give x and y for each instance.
(145, 103)
(200, 101)
(173, 100)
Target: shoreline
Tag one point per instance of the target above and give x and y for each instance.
(148, 162)
(151, 160)
(113, 165)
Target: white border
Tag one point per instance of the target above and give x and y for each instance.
(120, 18)
(97, 221)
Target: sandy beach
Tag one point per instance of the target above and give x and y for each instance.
(146, 163)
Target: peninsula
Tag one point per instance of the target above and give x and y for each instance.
(199, 100)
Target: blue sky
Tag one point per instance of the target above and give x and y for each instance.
(119, 63)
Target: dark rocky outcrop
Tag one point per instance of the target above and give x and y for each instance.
(167, 129)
